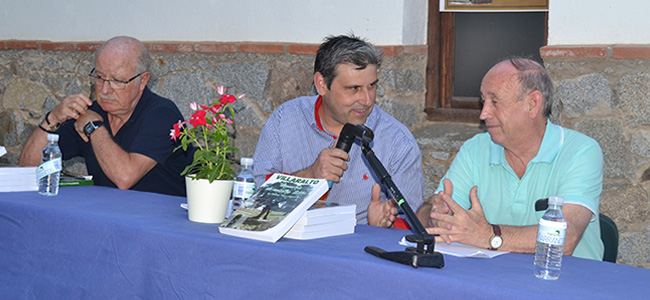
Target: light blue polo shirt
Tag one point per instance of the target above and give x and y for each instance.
(569, 164)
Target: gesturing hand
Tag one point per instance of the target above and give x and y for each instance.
(465, 226)
(380, 213)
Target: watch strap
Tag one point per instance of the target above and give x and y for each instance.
(496, 229)
(91, 127)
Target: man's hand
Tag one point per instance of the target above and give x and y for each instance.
(469, 227)
(330, 164)
(380, 213)
(72, 107)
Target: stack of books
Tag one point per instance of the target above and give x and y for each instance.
(324, 219)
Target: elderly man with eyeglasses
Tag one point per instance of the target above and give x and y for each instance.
(124, 134)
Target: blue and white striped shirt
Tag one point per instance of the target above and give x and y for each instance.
(291, 141)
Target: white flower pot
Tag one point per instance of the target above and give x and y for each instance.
(207, 202)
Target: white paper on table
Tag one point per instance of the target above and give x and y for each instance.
(18, 179)
(458, 249)
(3, 151)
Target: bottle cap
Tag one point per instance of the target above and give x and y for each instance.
(246, 161)
(51, 137)
(555, 200)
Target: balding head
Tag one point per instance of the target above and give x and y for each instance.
(129, 49)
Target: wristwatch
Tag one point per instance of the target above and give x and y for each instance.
(496, 241)
(92, 126)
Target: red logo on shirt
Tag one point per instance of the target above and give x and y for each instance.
(365, 176)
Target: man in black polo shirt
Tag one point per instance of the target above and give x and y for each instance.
(124, 134)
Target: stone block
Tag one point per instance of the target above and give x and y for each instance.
(250, 78)
(610, 134)
(626, 204)
(588, 94)
(8, 129)
(434, 169)
(403, 80)
(634, 95)
(246, 140)
(640, 143)
(445, 136)
(24, 94)
(633, 248)
(440, 155)
(184, 88)
(403, 111)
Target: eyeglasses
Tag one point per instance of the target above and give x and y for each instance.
(113, 83)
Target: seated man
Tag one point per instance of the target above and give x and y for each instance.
(124, 135)
(496, 177)
(300, 136)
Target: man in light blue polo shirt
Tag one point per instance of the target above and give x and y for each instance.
(300, 135)
(497, 176)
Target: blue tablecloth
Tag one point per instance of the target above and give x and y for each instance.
(102, 243)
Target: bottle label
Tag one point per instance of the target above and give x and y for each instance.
(49, 167)
(551, 232)
(243, 190)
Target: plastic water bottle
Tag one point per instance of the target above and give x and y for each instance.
(244, 185)
(48, 172)
(550, 241)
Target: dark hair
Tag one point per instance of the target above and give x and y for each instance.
(344, 49)
(533, 77)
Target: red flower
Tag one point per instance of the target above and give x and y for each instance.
(227, 99)
(197, 118)
(176, 131)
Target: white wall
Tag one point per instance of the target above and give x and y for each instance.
(576, 22)
(383, 22)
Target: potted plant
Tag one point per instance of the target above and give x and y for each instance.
(209, 178)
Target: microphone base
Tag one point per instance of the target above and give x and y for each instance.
(422, 256)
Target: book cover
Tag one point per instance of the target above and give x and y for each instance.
(274, 207)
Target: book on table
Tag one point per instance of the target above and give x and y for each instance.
(69, 179)
(324, 219)
(274, 207)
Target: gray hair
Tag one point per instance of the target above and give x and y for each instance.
(344, 49)
(533, 77)
(143, 59)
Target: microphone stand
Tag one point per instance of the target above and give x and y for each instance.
(421, 256)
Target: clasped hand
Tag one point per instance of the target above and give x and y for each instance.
(453, 223)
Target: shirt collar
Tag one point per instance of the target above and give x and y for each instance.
(551, 144)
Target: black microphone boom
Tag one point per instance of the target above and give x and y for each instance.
(421, 256)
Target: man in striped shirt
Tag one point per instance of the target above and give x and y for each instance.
(300, 135)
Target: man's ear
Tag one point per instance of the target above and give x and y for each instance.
(535, 103)
(320, 84)
(144, 80)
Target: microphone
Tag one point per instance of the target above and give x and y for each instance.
(346, 139)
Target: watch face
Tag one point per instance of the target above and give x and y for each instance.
(496, 242)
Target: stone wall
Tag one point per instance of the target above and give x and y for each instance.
(602, 91)
(598, 93)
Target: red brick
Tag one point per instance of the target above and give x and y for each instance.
(596, 51)
(262, 48)
(169, 46)
(305, 49)
(416, 49)
(88, 46)
(16, 44)
(58, 46)
(392, 50)
(631, 51)
(214, 47)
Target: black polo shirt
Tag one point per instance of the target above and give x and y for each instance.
(146, 132)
